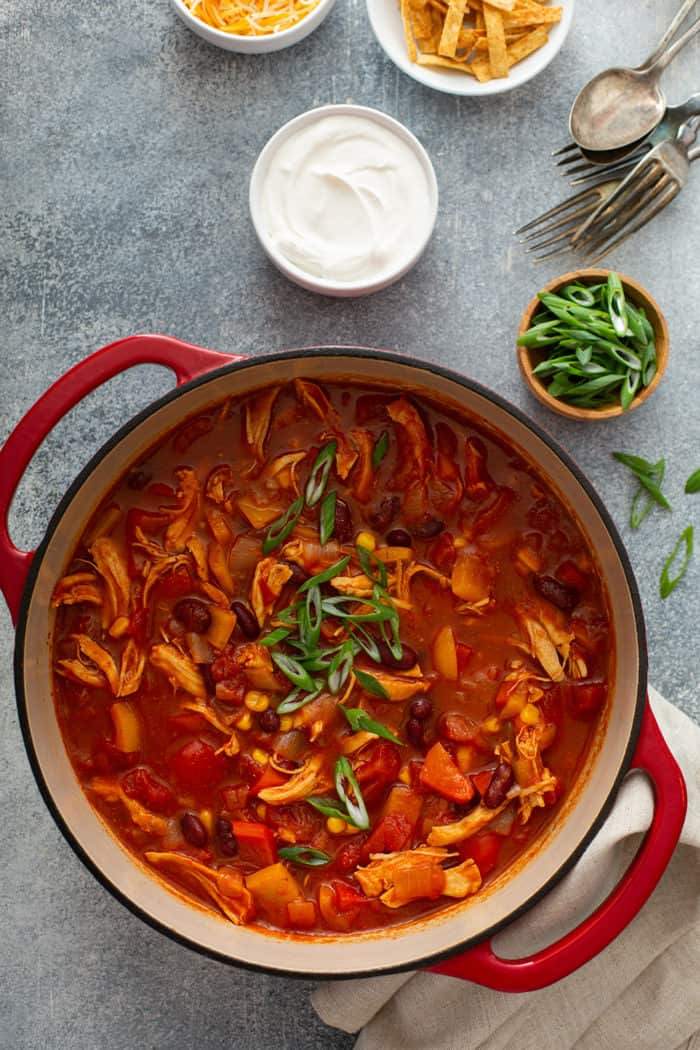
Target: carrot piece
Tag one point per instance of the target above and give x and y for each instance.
(441, 774)
(270, 778)
(256, 843)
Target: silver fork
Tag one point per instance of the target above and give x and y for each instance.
(650, 186)
(574, 162)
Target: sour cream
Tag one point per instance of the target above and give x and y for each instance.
(347, 199)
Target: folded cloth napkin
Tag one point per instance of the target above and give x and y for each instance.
(642, 992)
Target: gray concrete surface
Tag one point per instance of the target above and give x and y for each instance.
(126, 149)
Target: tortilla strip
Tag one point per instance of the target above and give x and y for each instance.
(408, 30)
(517, 51)
(451, 28)
(496, 37)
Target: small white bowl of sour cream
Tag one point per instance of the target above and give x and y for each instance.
(343, 200)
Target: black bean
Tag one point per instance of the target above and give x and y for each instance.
(137, 480)
(299, 575)
(398, 538)
(193, 829)
(428, 529)
(385, 513)
(343, 530)
(495, 794)
(247, 620)
(560, 594)
(269, 721)
(193, 614)
(414, 732)
(227, 840)
(406, 661)
(421, 708)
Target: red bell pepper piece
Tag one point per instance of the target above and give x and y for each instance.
(441, 774)
(392, 834)
(348, 898)
(256, 843)
(483, 849)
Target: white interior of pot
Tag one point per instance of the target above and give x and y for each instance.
(350, 953)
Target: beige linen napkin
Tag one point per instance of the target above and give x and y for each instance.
(641, 993)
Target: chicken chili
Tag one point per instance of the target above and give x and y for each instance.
(327, 659)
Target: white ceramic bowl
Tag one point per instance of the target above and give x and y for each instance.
(254, 45)
(386, 22)
(324, 286)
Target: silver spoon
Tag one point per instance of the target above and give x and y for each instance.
(621, 106)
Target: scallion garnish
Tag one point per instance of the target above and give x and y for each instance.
(326, 518)
(349, 793)
(359, 720)
(306, 855)
(329, 807)
(370, 684)
(294, 671)
(326, 575)
(381, 447)
(296, 699)
(371, 564)
(274, 637)
(341, 666)
(643, 500)
(668, 582)
(318, 477)
(693, 482)
(280, 529)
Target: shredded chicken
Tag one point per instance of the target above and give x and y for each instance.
(478, 818)
(180, 669)
(257, 664)
(185, 517)
(111, 565)
(417, 461)
(417, 874)
(311, 395)
(363, 473)
(283, 471)
(268, 582)
(111, 791)
(399, 687)
(218, 526)
(132, 666)
(533, 778)
(548, 642)
(308, 780)
(226, 887)
(219, 483)
(232, 745)
(258, 413)
(218, 563)
(100, 657)
(77, 587)
(155, 572)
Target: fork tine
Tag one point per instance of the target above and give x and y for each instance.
(570, 202)
(571, 147)
(608, 207)
(638, 195)
(585, 164)
(647, 205)
(551, 254)
(604, 174)
(661, 201)
(564, 224)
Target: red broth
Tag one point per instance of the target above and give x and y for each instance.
(343, 753)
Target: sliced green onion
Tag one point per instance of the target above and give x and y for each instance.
(629, 388)
(318, 478)
(278, 635)
(359, 720)
(326, 575)
(306, 855)
(327, 518)
(381, 447)
(294, 700)
(293, 670)
(617, 306)
(329, 807)
(352, 799)
(370, 684)
(368, 561)
(643, 500)
(280, 529)
(668, 582)
(313, 617)
(365, 640)
(644, 470)
(693, 482)
(579, 294)
(340, 666)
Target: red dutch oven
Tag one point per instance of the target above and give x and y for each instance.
(456, 940)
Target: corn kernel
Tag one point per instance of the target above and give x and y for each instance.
(244, 722)
(260, 756)
(491, 725)
(512, 707)
(465, 758)
(405, 776)
(530, 715)
(366, 540)
(286, 722)
(459, 542)
(256, 701)
(336, 826)
(261, 810)
(207, 818)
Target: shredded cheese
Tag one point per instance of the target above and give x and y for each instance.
(251, 17)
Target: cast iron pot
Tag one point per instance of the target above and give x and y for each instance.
(455, 941)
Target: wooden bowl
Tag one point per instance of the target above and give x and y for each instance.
(529, 357)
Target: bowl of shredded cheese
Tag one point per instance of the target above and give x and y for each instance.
(252, 26)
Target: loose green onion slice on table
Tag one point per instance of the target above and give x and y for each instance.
(595, 347)
(647, 474)
(684, 543)
(359, 720)
(307, 855)
(318, 478)
(693, 482)
(643, 500)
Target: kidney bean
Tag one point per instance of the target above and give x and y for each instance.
(193, 829)
(414, 732)
(398, 538)
(421, 708)
(269, 721)
(560, 594)
(193, 614)
(299, 575)
(406, 661)
(495, 794)
(247, 620)
(428, 528)
(456, 727)
(385, 513)
(137, 480)
(343, 530)
(227, 840)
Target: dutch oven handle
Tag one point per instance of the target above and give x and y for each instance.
(482, 966)
(185, 360)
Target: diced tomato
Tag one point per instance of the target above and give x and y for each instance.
(492, 513)
(141, 785)
(138, 626)
(230, 691)
(464, 655)
(348, 856)
(379, 767)
(436, 811)
(187, 722)
(249, 770)
(441, 773)
(106, 758)
(197, 765)
(235, 797)
(301, 914)
(391, 834)
(406, 801)
(570, 574)
(481, 780)
(347, 897)
(270, 778)
(443, 554)
(484, 849)
(176, 584)
(586, 698)
(162, 491)
(256, 843)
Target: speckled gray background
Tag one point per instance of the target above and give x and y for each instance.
(126, 148)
